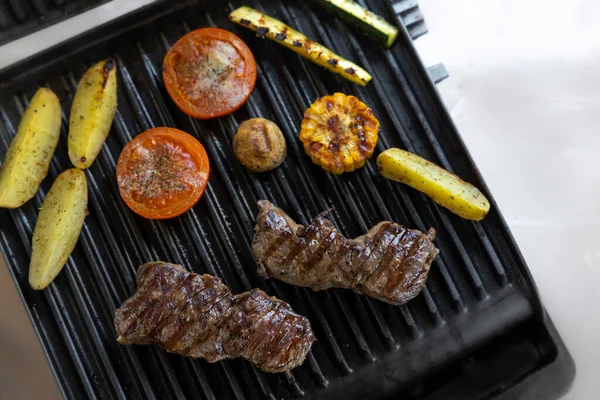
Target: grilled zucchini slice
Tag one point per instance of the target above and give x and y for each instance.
(369, 23)
(273, 29)
(339, 133)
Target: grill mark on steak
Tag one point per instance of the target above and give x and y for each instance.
(322, 250)
(275, 246)
(194, 346)
(390, 262)
(388, 257)
(197, 316)
(395, 279)
(369, 250)
(343, 252)
(165, 319)
(380, 249)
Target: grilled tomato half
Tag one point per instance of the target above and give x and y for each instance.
(209, 72)
(339, 133)
(162, 173)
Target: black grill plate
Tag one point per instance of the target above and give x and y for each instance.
(479, 289)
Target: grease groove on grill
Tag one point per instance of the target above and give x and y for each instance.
(357, 335)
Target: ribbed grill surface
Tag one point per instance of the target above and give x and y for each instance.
(478, 285)
(19, 18)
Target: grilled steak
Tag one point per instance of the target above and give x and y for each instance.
(389, 263)
(197, 316)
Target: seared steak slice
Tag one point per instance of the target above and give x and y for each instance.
(267, 332)
(197, 316)
(389, 263)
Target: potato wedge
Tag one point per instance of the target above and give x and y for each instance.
(58, 227)
(92, 113)
(28, 157)
(445, 188)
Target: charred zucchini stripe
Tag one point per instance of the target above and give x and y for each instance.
(268, 27)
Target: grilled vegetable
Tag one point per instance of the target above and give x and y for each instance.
(29, 155)
(368, 23)
(268, 27)
(259, 145)
(445, 188)
(92, 113)
(209, 73)
(58, 227)
(339, 133)
(162, 173)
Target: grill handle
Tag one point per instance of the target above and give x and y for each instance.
(411, 17)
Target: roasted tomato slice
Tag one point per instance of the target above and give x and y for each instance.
(209, 73)
(162, 173)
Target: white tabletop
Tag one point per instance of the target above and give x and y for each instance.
(524, 91)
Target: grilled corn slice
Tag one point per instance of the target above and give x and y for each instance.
(339, 133)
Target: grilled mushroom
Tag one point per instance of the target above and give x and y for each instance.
(259, 145)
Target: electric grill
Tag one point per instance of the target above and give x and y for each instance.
(478, 330)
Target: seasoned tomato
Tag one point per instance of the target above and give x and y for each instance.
(209, 73)
(162, 173)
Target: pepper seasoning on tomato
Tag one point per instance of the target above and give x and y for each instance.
(209, 73)
(162, 173)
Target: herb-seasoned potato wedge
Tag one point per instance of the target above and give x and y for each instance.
(445, 188)
(58, 227)
(92, 113)
(29, 155)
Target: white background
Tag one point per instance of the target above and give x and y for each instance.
(524, 91)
